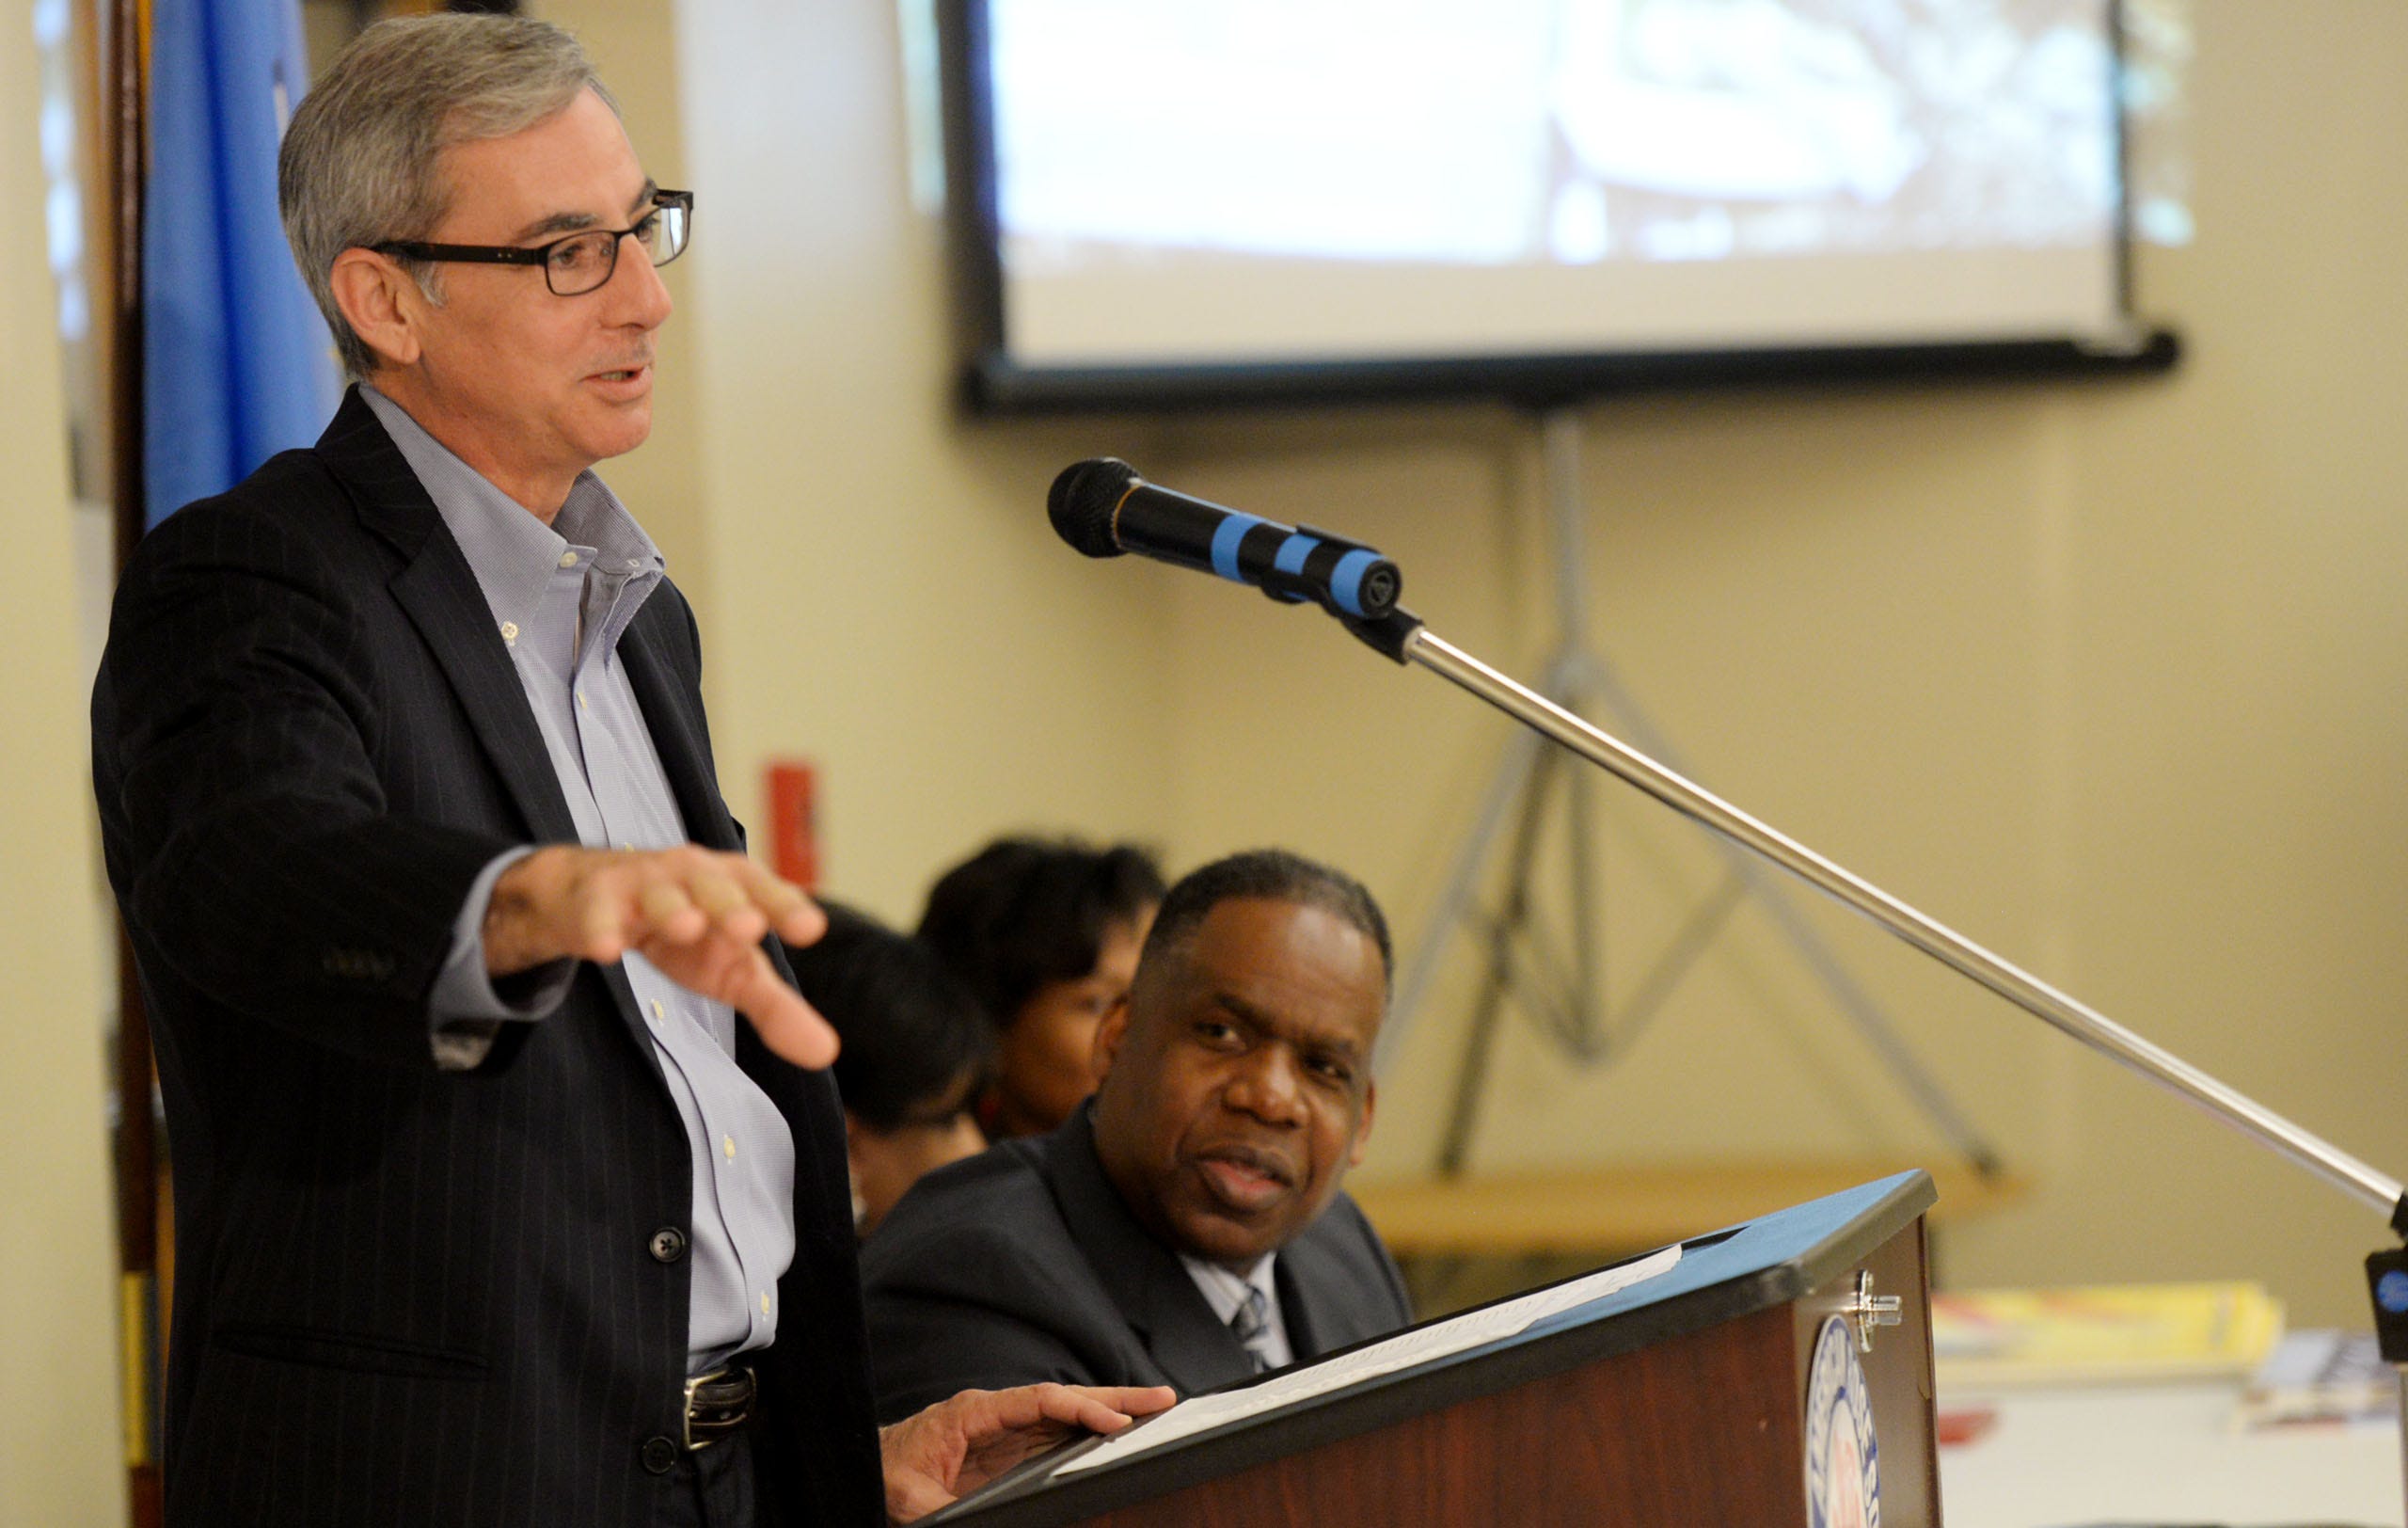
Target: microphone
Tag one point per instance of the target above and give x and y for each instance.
(1103, 508)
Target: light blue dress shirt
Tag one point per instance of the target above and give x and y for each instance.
(560, 597)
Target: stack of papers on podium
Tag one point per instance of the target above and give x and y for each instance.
(2103, 1333)
(1419, 1345)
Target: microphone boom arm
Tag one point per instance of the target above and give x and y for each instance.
(1403, 637)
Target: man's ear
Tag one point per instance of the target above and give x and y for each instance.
(1362, 1131)
(380, 302)
(1109, 1033)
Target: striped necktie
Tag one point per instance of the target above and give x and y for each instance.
(1251, 1324)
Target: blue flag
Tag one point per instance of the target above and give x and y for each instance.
(237, 364)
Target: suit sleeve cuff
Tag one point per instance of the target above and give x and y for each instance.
(466, 1008)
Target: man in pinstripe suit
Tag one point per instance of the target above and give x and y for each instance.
(490, 1207)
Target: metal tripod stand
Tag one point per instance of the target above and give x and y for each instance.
(1570, 1006)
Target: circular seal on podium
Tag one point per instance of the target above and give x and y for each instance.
(1843, 1458)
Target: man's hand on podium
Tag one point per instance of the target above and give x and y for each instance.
(955, 1447)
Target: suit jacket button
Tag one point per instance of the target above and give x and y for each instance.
(668, 1244)
(660, 1455)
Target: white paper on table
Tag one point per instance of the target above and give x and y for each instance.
(1436, 1339)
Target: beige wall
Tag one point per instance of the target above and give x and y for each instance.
(881, 593)
(61, 1457)
(2106, 677)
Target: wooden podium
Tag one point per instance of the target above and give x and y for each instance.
(1752, 1383)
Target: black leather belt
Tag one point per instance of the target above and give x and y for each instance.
(716, 1404)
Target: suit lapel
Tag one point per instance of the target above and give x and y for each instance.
(1296, 1310)
(439, 591)
(677, 734)
(1145, 1279)
(1337, 1287)
(440, 595)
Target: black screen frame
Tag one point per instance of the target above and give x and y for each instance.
(992, 383)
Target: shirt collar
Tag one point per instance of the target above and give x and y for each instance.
(513, 554)
(1225, 1290)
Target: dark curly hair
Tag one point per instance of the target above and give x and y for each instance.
(1023, 912)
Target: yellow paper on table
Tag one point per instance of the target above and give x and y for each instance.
(1990, 1338)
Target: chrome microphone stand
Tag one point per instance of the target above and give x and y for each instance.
(1402, 636)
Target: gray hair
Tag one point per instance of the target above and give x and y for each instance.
(360, 163)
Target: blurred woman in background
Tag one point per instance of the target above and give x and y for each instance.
(1046, 932)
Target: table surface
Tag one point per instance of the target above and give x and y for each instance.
(2160, 1455)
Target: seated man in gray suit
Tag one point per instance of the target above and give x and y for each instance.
(1185, 1227)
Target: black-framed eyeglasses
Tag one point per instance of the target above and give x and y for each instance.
(581, 263)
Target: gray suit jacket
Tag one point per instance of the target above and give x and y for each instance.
(1023, 1265)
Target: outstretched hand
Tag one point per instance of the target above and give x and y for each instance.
(957, 1446)
(697, 914)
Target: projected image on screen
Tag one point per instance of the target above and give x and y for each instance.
(1332, 179)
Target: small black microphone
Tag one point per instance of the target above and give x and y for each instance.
(1103, 508)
